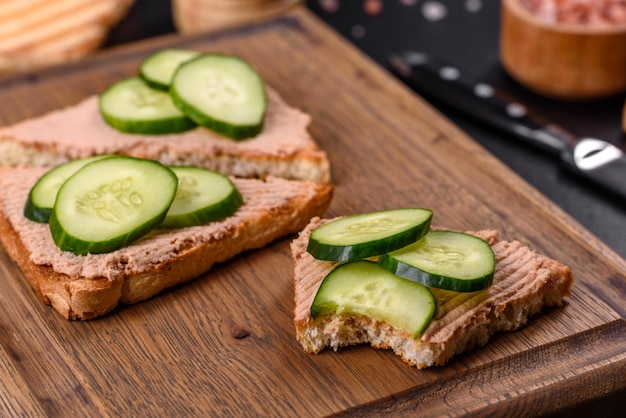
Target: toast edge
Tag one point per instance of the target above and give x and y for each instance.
(335, 331)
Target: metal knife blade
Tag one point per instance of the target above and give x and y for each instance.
(596, 160)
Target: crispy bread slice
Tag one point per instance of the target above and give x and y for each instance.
(40, 33)
(524, 283)
(85, 287)
(283, 149)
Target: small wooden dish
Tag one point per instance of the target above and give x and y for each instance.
(564, 61)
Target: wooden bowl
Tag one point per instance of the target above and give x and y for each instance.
(564, 61)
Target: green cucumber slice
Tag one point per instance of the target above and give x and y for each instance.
(446, 260)
(221, 92)
(364, 288)
(110, 203)
(131, 106)
(159, 68)
(203, 196)
(43, 194)
(360, 236)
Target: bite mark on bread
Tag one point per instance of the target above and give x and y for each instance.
(525, 282)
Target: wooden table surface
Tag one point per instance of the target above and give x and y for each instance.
(224, 344)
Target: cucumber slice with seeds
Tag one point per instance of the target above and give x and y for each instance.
(43, 194)
(132, 106)
(364, 288)
(159, 68)
(111, 203)
(446, 260)
(221, 92)
(365, 235)
(203, 196)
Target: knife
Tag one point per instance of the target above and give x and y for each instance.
(596, 160)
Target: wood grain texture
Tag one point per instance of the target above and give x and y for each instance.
(224, 344)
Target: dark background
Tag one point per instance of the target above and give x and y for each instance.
(468, 39)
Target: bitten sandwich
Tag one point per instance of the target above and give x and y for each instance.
(355, 300)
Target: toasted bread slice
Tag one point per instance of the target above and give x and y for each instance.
(40, 33)
(283, 149)
(85, 287)
(524, 283)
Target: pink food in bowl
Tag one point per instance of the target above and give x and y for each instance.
(578, 12)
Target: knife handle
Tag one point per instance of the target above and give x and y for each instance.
(600, 162)
(454, 87)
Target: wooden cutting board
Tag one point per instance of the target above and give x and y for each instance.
(224, 344)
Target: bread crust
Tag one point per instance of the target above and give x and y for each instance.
(525, 282)
(72, 298)
(87, 296)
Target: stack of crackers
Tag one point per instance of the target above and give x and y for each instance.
(39, 33)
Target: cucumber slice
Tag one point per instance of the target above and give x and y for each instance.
(110, 203)
(203, 196)
(131, 106)
(364, 288)
(159, 68)
(365, 235)
(221, 92)
(43, 194)
(446, 260)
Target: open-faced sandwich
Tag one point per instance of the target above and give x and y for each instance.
(388, 279)
(255, 134)
(151, 183)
